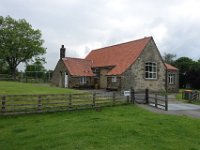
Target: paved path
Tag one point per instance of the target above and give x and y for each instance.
(183, 106)
(177, 108)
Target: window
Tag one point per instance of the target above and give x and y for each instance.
(171, 78)
(83, 80)
(150, 70)
(96, 71)
(114, 79)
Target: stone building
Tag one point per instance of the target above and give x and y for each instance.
(172, 83)
(136, 64)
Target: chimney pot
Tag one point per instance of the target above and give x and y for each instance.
(62, 52)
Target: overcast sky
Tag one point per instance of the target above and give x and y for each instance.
(83, 25)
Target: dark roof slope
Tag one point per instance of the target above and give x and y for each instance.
(78, 67)
(119, 56)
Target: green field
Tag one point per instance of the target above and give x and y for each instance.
(31, 88)
(123, 127)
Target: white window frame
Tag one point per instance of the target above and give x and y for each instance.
(114, 79)
(151, 70)
(171, 78)
(83, 80)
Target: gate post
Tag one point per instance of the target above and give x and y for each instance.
(166, 102)
(132, 94)
(156, 101)
(127, 99)
(147, 96)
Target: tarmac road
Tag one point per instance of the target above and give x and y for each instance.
(177, 108)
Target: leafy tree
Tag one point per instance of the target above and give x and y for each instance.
(36, 70)
(3, 67)
(184, 63)
(169, 58)
(189, 72)
(194, 75)
(19, 42)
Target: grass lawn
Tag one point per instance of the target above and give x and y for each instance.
(114, 128)
(31, 88)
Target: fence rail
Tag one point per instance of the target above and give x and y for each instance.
(17, 104)
(158, 100)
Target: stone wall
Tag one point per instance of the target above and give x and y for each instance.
(114, 85)
(74, 82)
(58, 78)
(173, 87)
(135, 75)
(103, 78)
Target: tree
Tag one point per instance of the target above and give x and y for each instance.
(169, 58)
(19, 42)
(35, 70)
(189, 72)
(194, 75)
(184, 63)
(3, 67)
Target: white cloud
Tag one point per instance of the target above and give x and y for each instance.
(85, 25)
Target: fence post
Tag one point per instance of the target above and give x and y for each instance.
(3, 109)
(166, 102)
(147, 96)
(127, 99)
(113, 97)
(93, 99)
(39, 104)
(132, 94)
(156, 101)
(182, 95)
(70, 101)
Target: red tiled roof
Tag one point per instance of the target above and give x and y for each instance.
(120, 56)
(170, 67)
(78, 67)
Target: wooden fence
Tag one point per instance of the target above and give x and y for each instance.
(20, 104)
(17, 104)
(158, 100)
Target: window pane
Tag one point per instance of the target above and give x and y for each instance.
(150, 70)
(146, 75)
(154, 75)
(146, 68)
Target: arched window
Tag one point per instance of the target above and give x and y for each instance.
(150, 70)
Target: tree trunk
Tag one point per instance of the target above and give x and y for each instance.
(13, 73)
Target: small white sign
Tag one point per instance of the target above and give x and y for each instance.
(126, 93)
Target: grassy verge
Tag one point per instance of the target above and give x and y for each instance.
(116, 128)
(31, 88)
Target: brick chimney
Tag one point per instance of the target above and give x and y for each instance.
(62, 52)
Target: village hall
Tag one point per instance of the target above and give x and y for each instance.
(135, 64)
